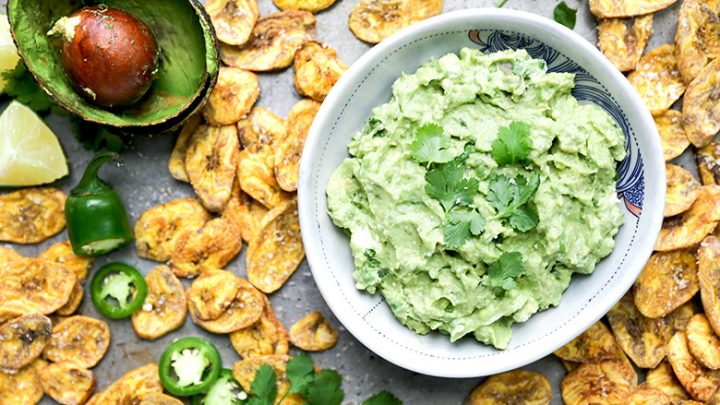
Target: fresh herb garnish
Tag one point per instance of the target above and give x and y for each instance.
(513, 144)
(510, 198)
(431, 145)
(446, 184)
(501, 272)
(300, 373)
(326, 389)
(21, 86)
(382, 398)
(565, 15)
(501, 3)
(264, 386)
(461, 225)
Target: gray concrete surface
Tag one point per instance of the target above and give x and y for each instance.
(144, 182)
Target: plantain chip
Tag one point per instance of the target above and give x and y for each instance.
(265, 337)
(288, 152)
(22, 340)
(569, 365)
(233, 20)
(276, 251)
(317, 69)
(22, 387)
(256, 175)
(512, 387)
(74, 301)
(165, 306)
(709, 279)
(701, 106)
(62, 253)
(627, 8)
(80, 340)
(34, 286)
(643, 339)
(261, 126)
(211, 247)
(708, 162)
(700, 382)
(663, 378)
(682, 190)
(607, 382)
(697, 37)
(176, 163)
(132, 387)
(681, 316)
(244, 372)
(160, 228)
(211, 294)
(313, 333)
(646, 395)
(672, 134)
(374, 20)
(245, 212)
(156, 398)
(66, 383)
(8, 254)
(657, 79)
(31, 215)
(233, 96)
(273, 42)
(704, 345)
(696, 223)
(668, 280)
(623, 40)
(211, 162)
(243, 311)
(312, 6)
(593, 346)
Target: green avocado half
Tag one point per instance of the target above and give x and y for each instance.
(187, 69)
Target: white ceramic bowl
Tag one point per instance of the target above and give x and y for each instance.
(641, 186)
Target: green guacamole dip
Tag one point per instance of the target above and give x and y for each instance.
(398, 226)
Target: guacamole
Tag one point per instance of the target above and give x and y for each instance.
(474, 194)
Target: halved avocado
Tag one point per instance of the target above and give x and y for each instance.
(187, 69)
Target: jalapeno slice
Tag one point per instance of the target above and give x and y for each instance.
(189, 366)
(118, 290)
(225, 391)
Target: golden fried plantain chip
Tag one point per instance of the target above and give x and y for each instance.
(672, 134)
(176, 163)
(313, 333)
(512, 387)
(66, 383)
(708, 162)
(288, 152)
(696, 223)
(63, 254)
(273, 42)
(22, 387)
(643, 339)
(211, 247)
(31, 215)
(233, 19)
(34, 286)
(73, 303)
(627, 8)
(701, 106)
(700, 382)
(8, 254)
(623, 40)
(374, 20)
(256, 175)
(312, 6)
(211, 294)
(682, 190)
(80, 340)
(245, 212)
(243, 311)
(165, 306)
(668, 280)
(663, 378)
(211, 163)
(132, 387)
(704, 345)
(261, 126)
(569, 365)
(276, 251)
(681, 316)
(697, 37)
(159, 229)
(156, 398)
(607, 382)
(22, 340)
(594, 345)
(265, 337)
(317, 69)
(709, 279)
(646, 395)
(244, 372)
(232, 97)
(657, 79)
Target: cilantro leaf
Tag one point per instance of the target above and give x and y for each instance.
(326, 389)
(21, 85)
(526, 188)
(513, 144)
(446, 184)
(382, 398)
(430, 145)
(501, 272)
(461, 225)
(565, 15)
(500, 193)
(524, 219)
(264, 386)
(96, 137)
(301, 372)
(510, 197)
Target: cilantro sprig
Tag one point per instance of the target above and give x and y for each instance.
(461, 225)
(510, 198)
(513, 144)
(446, 184)
(382, 398)
(565, 15)
(502, 272)
(431, 145)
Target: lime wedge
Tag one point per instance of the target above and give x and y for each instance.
(8, 53)
(30, 153)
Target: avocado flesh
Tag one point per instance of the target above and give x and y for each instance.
(188, 57)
